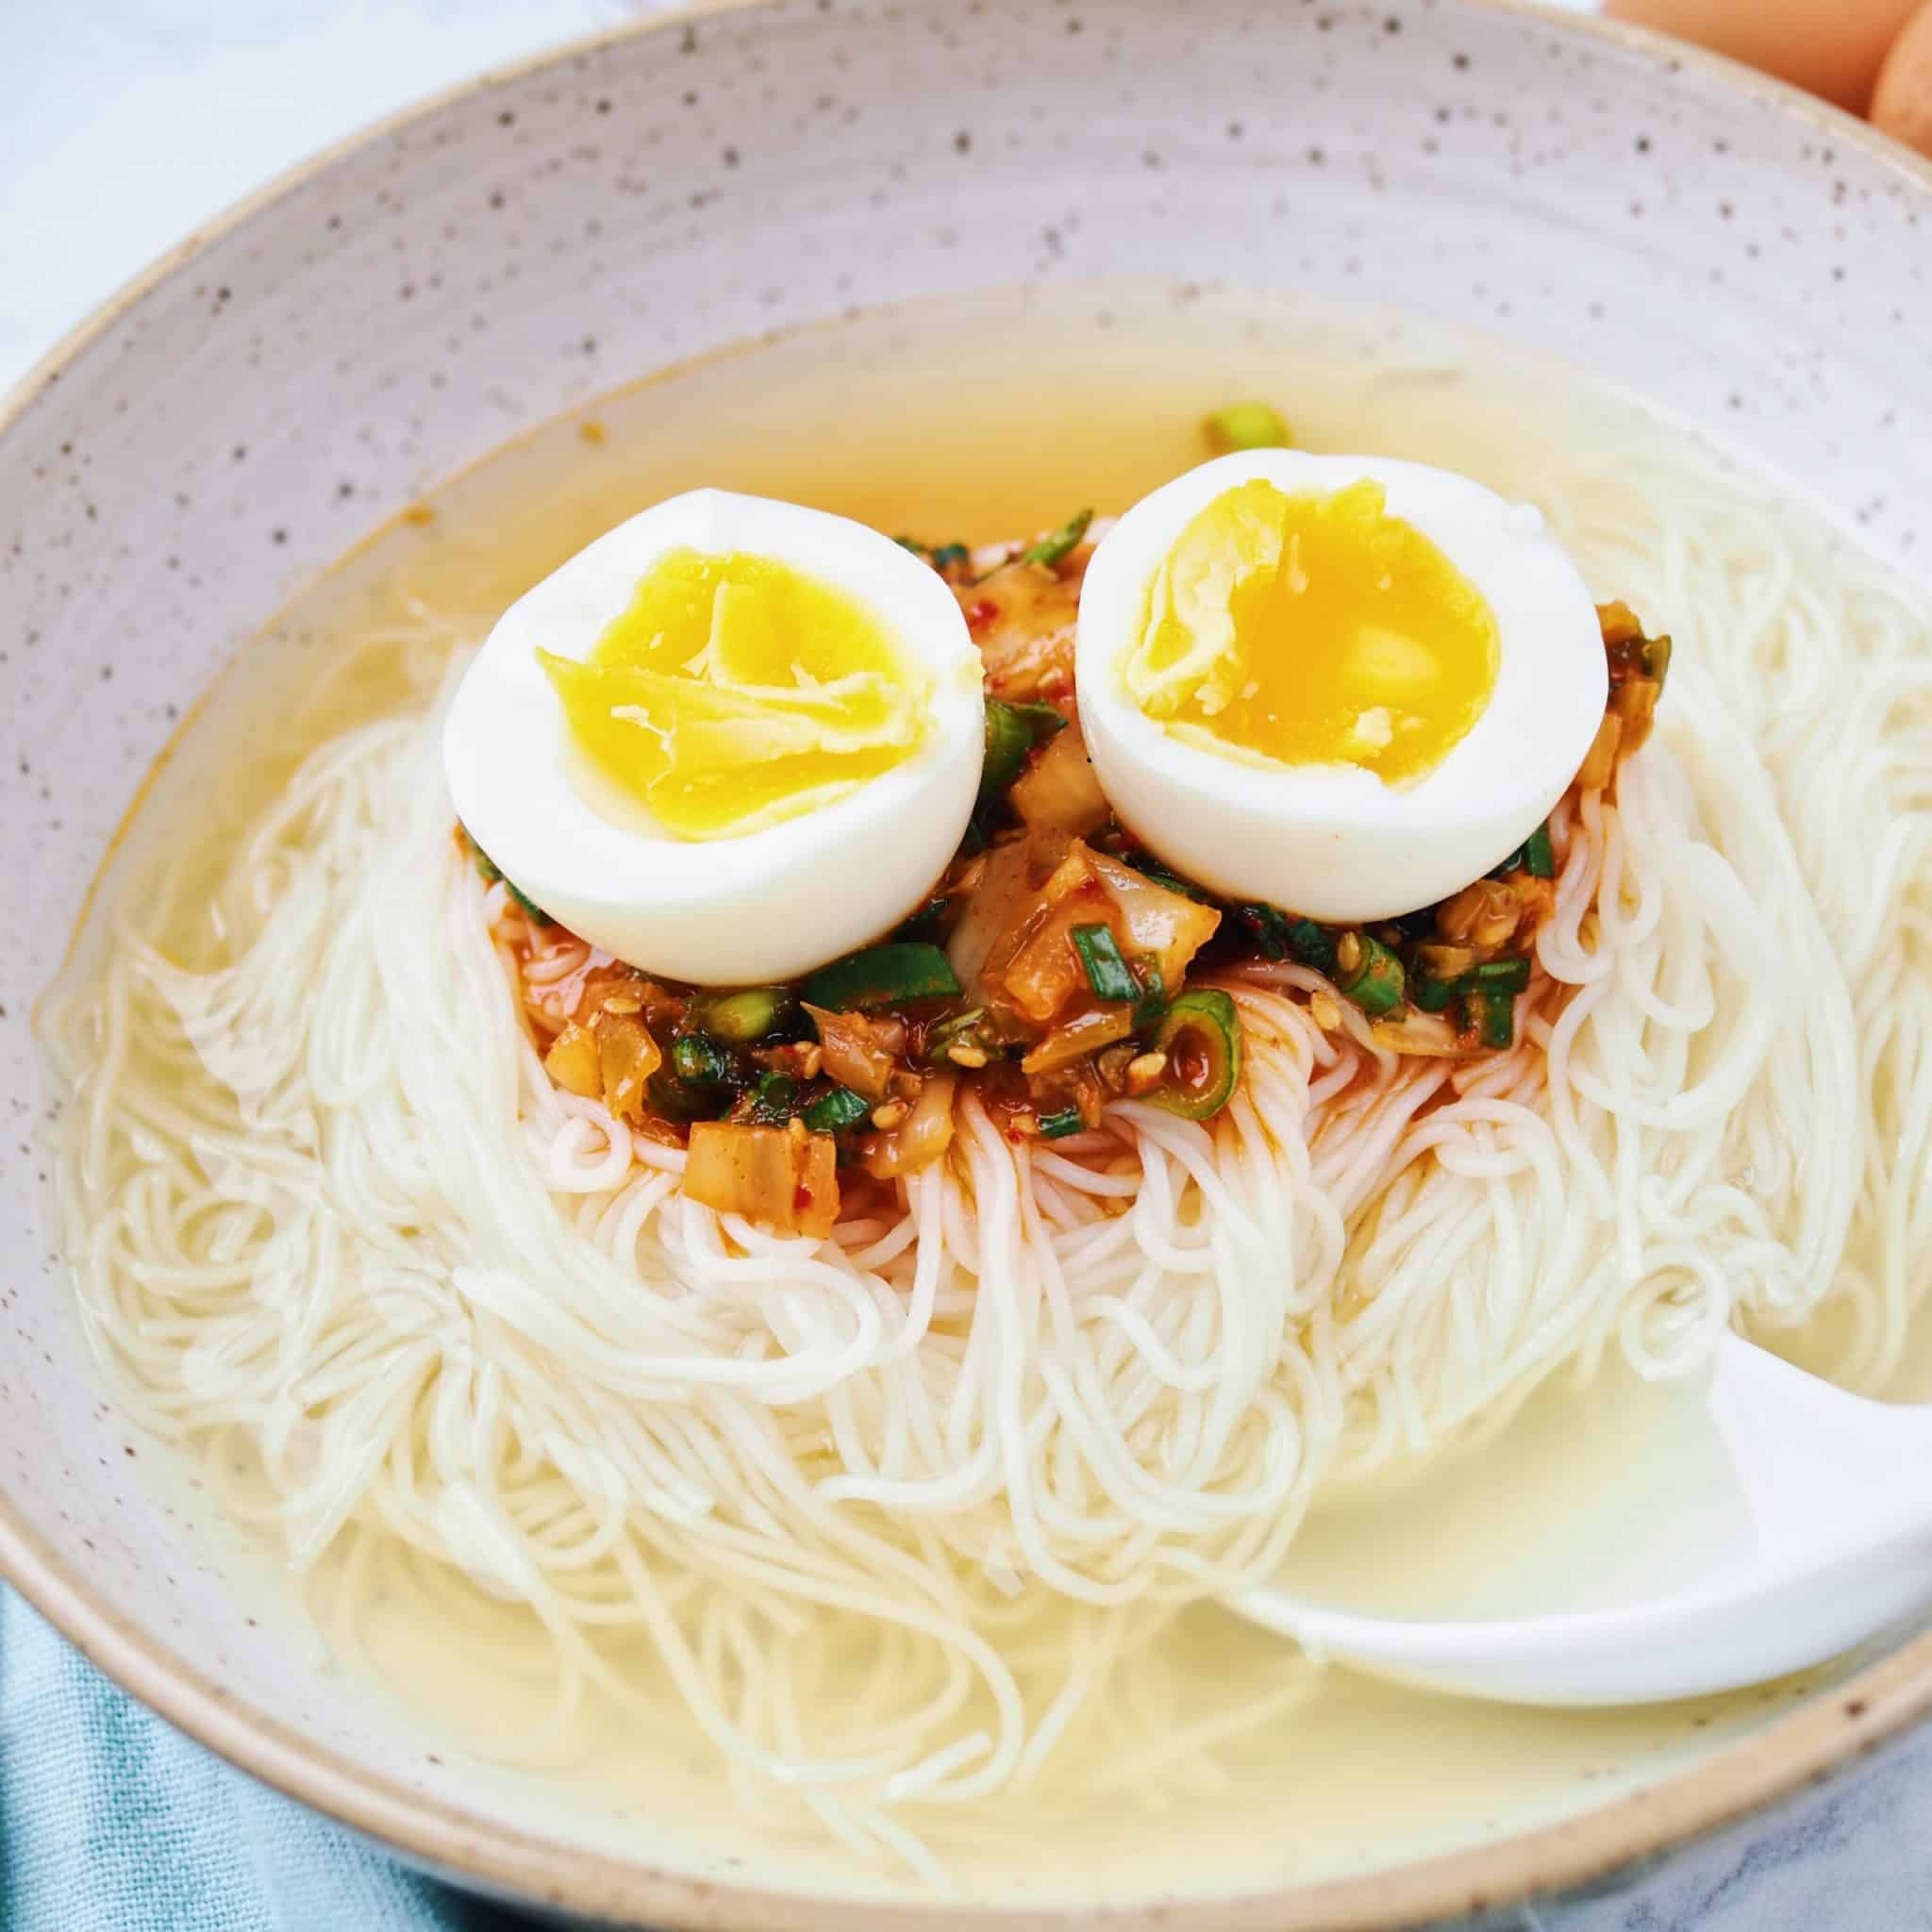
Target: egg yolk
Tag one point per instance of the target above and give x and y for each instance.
(1313, 630)
(737, 691)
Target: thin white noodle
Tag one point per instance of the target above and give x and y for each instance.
(897, 1517)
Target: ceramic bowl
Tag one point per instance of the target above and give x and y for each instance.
(1743, 257)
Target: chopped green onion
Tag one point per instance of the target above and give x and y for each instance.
(1057, 1127)
(1539, 860)
(1534, 855)
(1440, 972)
(701, 1061)
(1201, 1036)
(776, 1101)
(833, 1112)
(673, 1099)
(1100, 956)
(1443, 971)
(1499, 975)
(1492, 1015)
(940, 1038)
(947, 555)
(492, 871)
(1368, 972)
(1152, 1003)
(1007, 742)
(1247, 425)
(911, 543)
(1269, 924)
(1011, 732)
(1151, 868)
(1056, 544)
(1312, 944)
(528, 904)
(1283, 935)
(882, 976)
(1042, 720)
(744, 1016)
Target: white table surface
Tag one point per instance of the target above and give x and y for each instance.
(125, 123)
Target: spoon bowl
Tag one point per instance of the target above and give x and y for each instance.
(1773, 1524)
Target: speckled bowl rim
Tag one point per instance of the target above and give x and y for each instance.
(1807, 1745)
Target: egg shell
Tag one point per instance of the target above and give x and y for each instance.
(770, 904)
(1902, 102)
(1829, 47)
(1333, 842)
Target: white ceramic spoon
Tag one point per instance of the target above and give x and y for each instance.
(1784, 1523)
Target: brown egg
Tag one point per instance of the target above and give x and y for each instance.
(1902, 102)
(1833, 47)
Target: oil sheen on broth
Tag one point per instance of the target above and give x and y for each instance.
(869, 418)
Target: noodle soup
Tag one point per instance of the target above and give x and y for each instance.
(896, 1543)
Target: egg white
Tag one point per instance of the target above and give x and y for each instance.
(1335, 842)
(770, 904)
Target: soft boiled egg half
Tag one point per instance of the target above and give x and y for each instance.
(1345, 685)
(728, 741)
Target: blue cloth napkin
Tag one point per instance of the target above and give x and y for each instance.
(110, 1820)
